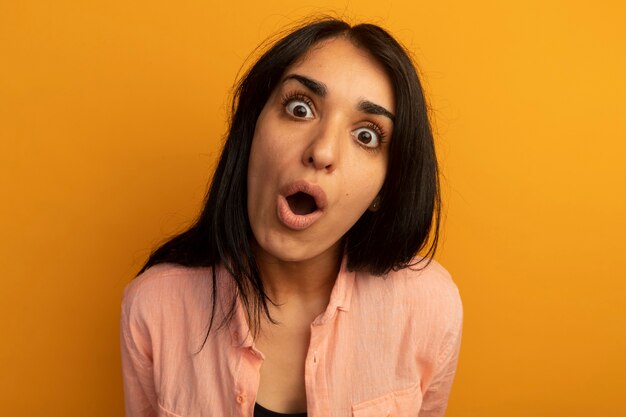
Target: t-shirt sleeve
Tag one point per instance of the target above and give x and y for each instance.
(436, 396)
(137, 364)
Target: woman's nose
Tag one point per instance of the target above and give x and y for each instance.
(322, 153)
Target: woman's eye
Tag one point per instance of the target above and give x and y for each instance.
(367, 137)
(299, 109)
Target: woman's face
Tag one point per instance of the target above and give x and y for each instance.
(320, 150)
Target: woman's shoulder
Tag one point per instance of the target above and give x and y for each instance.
(422, 274)
(165, 286)
(167, 277)
(425, 286)
(427, 274)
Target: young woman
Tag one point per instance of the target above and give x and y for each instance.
(298, 290)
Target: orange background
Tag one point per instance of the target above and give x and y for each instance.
(111, 116)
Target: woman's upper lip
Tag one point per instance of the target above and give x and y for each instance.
(303, 186)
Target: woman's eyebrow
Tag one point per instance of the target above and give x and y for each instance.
(372, 108)
(317, 87)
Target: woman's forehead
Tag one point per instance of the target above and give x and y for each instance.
(344, 68)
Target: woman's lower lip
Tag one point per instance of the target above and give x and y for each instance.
(292, 220)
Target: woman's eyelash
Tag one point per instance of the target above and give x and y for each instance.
(378, 129)
(296, 95)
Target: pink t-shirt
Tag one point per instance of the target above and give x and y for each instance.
(385, 346)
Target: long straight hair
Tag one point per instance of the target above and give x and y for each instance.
(381, 241)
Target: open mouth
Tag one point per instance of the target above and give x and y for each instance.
(302, 203)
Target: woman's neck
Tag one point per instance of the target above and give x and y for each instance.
(305, 282)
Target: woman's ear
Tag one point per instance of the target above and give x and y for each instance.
(375, 204)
